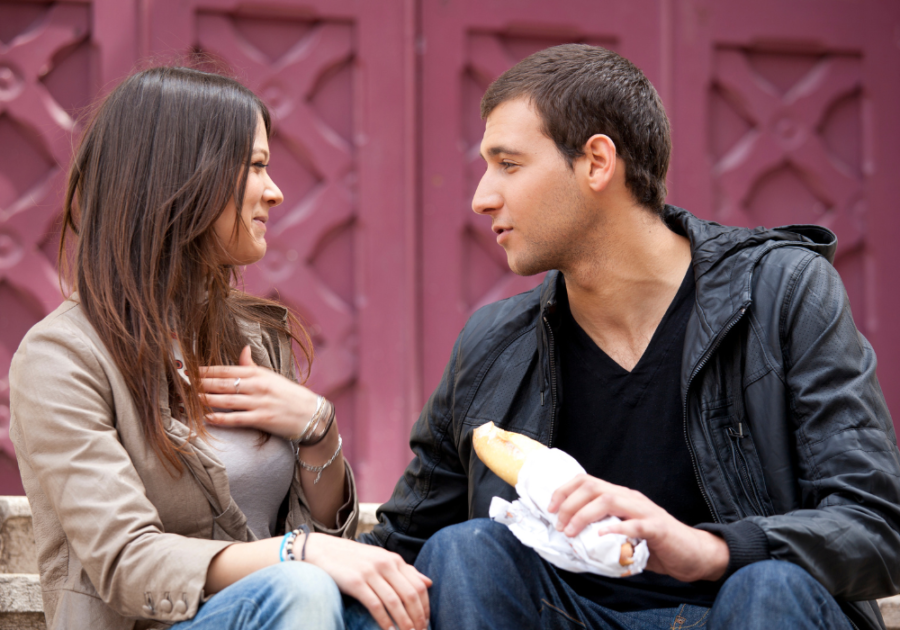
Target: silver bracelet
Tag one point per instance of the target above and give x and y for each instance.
(315, 420)
(320, 403)
(319, 469)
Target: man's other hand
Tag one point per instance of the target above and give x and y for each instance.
(676, 549)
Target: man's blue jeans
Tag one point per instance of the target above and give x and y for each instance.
(485, 578)
(286, 596)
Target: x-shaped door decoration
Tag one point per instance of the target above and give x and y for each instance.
(41, 127)
(785, 134)
(23, 98)
(297, 230)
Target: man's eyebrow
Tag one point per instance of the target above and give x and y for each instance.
(501, 150)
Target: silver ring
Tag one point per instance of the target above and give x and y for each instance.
(237, 385)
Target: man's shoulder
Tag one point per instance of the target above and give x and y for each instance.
(495, 323)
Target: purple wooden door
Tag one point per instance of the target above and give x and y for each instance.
(782, 112)
(786, 112)
(467, 44)
(53, 59)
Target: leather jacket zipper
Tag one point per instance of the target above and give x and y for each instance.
(743, 469)
(552, 382)
(700, 365)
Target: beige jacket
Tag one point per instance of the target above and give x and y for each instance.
(122, 544)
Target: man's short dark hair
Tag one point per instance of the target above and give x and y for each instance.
(581, 90)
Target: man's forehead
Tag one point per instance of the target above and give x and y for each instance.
(511, 128)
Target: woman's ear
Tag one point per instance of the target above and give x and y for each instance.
(600, 161)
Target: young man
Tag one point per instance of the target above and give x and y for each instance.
(709, 379)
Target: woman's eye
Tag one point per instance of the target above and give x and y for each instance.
(259, 165)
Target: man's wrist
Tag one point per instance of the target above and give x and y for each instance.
(718, 556)
(747, 543)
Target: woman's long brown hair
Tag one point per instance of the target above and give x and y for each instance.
(158, 163)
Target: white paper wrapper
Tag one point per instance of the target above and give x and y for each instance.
(528, 519)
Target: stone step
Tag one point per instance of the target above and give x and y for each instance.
(21, 607)
(17, 551)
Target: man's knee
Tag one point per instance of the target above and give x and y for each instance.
(476, 540)
(771, 577)
(775, 594)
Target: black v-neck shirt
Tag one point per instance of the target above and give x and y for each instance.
(628, 429)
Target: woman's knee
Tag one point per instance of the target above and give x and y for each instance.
(303, 581)
(300, 591)
(283, 596)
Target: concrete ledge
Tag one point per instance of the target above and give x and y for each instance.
(21, 607)
(22, 621)
(17, 550)
(367, 520)
(20, 593)
(890, 610)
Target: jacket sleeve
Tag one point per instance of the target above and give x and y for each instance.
(847, 533)
(433, 491)
(64, 424)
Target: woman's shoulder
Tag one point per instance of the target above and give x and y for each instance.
(66, 319)
(66, 329)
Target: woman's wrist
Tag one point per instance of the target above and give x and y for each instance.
(319, 452)
(317, 427)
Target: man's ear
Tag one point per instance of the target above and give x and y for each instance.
(600, 161)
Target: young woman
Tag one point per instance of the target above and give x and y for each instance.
(177, 472)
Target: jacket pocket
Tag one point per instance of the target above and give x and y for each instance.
(738, 460)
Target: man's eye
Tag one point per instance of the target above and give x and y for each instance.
(507, 165)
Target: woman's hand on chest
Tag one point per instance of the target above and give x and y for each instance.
(247, 395)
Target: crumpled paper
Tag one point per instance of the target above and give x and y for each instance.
(528, 519)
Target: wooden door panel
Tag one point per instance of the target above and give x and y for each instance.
(782, 114)
(54, 58)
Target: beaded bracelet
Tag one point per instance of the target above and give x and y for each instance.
(285, 552)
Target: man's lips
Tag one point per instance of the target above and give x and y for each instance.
(502, 233)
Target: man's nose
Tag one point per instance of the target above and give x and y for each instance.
(486, 198)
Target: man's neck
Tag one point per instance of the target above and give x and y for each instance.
(620, 293)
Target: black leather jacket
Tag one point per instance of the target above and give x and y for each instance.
(793, 445)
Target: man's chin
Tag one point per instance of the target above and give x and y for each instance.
(526, 267)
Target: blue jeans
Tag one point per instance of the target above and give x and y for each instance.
(286, 596)
(485, 578)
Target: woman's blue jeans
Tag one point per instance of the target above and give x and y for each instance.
(485, 578)
(286, 596)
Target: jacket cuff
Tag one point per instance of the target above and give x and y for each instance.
(747, 543)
